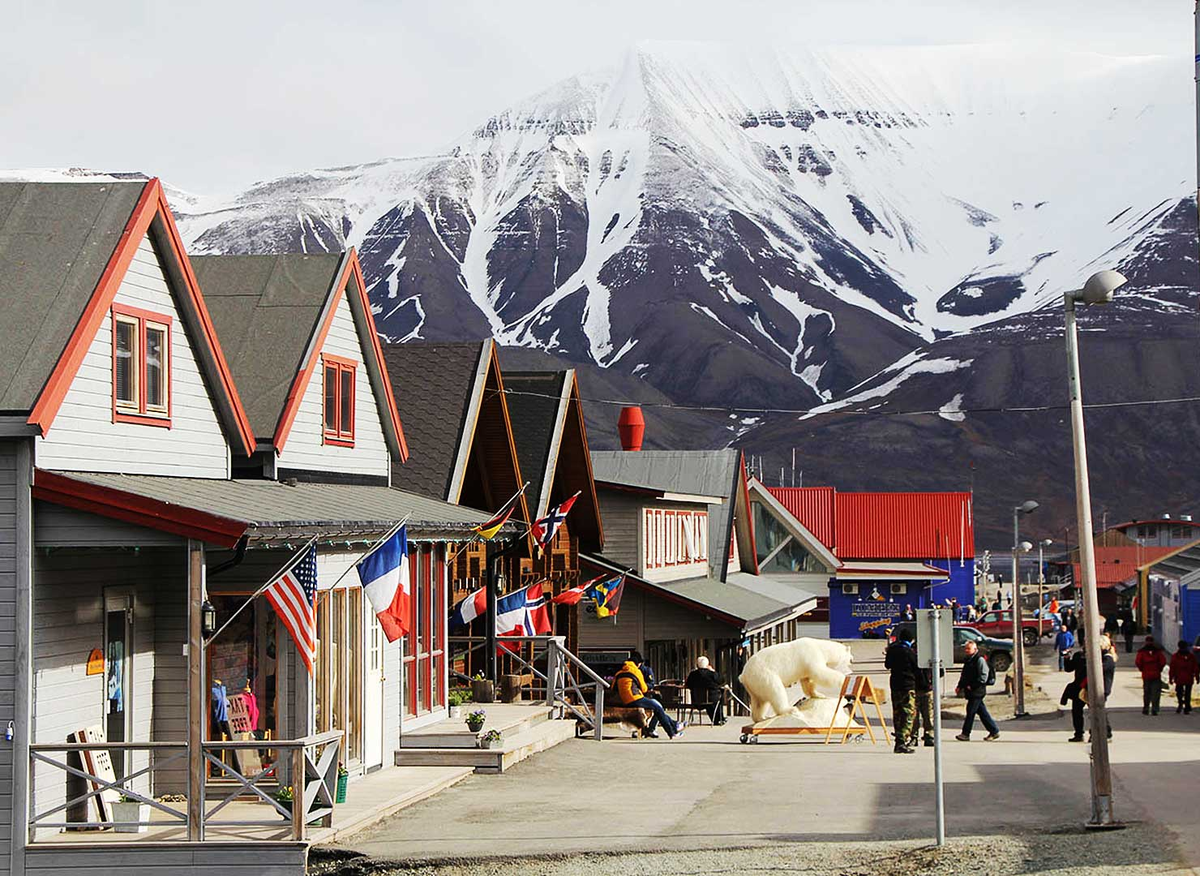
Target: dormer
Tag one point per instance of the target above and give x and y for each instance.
(111, 359)
(303, 351)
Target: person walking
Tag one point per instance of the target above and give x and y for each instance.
(973, 683)
(901, 661)
(631, 689)
(1183, 673)
(1063, 643)
(1151, 660)
(1128, 630)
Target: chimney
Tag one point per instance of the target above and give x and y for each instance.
(632, 427)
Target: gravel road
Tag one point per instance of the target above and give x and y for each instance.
(1139, 849)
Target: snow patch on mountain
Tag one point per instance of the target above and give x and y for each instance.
(890, 380)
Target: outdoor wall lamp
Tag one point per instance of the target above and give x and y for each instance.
(208, 619)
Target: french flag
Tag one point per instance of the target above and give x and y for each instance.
(469, 608)
(385, 579)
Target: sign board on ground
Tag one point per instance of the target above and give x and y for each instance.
(925, 636)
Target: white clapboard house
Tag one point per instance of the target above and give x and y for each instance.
(151, 478)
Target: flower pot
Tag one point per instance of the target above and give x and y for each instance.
(129, 812)
(485, 743)
(483, 691)
(454, 711)
(475, 728)
(340, 796)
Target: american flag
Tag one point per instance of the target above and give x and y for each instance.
(293, 597)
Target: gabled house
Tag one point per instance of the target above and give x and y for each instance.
(892, 550)
(121, 424)
(552, 448)
(680, 525)
(301, 345)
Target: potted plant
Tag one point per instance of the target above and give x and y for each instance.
(342, 779)
(129, 810)
(475, 720)
(284, 797)
(454, 701)
(487, 740)
(482, 690)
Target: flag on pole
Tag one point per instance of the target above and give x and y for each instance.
(608, 596)
(293, 596)
(523, 613)
(544, 528)
(489, 528)
(385, 580)
(575, 594)
(468, 609)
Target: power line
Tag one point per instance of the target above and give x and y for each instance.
(824, 409)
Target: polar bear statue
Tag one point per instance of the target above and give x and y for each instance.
(817, 665)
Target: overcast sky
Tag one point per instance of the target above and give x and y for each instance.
(214, 95)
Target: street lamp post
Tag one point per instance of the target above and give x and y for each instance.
(1042, 545)
(1097, 290)
(1019, 547)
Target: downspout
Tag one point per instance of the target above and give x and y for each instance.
(239, 554)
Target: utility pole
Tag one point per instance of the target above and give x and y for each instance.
(1019, 547)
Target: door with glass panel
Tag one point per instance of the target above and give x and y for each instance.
(338, 694)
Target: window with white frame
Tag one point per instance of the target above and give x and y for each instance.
(141, 344)
(673, 537)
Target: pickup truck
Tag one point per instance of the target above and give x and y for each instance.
(999, 625)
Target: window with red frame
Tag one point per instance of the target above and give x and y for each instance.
(141, 343)
(339, 400)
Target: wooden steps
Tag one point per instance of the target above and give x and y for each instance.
(454, 734)
(538, 735)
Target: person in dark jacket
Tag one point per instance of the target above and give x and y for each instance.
(705, 687)
(972, 686)
(923, 716)
(901, 660)
(1077, 690)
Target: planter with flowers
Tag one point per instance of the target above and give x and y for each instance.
(490, 739)
(342, 779)
(475, 720)
(130, 815)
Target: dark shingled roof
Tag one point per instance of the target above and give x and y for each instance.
(265, 309)
(55, 241)
(533, 399)
(435, 385)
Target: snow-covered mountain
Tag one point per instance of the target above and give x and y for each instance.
(760, 224)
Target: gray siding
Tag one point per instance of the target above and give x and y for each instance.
(8, 591)
(68, 622)
(305, 447)
(56, 526)
(166, 859)
(622, 516)
(645, 617)
(84, 436)
(392, 698)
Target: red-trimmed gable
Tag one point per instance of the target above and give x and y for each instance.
(894, 526)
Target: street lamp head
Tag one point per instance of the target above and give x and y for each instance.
(1024, 547)
(1099, 287)
(1027, 507)
(1046, 542)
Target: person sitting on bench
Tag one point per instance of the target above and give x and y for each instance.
(631, 689)
(705, 687)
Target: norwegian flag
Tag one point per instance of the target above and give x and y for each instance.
(522, 613)
(544, 528)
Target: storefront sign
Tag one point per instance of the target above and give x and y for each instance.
(874, 613)
(95, 662)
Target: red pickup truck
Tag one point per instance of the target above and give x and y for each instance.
(999, 625)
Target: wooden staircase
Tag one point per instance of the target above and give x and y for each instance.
(525, 730)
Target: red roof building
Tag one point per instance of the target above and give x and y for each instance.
(865, 526)
(1118, 564)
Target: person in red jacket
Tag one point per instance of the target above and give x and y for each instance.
(1183, 673)
(1151, 660)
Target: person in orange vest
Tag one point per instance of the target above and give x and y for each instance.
(1183, 673)
(1151, 660)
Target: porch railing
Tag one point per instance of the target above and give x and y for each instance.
(566, 679)
(315, 758)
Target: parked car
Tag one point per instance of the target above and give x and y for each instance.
(998, 624)
(997, 651)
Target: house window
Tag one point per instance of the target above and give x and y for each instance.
(141, 366)
(674, 538)
(339, 400)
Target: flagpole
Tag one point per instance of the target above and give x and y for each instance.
(283, 571)
(377, 543)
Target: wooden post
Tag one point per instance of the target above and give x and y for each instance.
(196, 710)
(298, 776)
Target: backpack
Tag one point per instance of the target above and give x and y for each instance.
(991, 671)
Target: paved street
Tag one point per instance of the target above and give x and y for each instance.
(708, 791)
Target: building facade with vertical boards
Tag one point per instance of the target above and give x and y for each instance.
(161, 453)
(681, 529)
